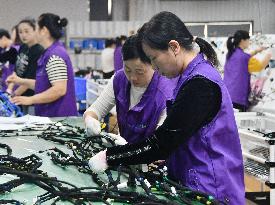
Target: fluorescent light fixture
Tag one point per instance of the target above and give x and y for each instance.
(110, 7)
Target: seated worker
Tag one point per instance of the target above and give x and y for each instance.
(139, 94)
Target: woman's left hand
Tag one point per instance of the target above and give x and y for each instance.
(13, 79)
(22, 100)
(118, 139)
(98, 163)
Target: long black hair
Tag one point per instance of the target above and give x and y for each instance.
(130, 50)
(234, 41)
(17, 39)
(166, 26)
(4, 32)
(119, 40)
(29, 21)
(53, 23)
(109, 42)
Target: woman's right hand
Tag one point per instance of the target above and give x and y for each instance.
(260, 49)
(92, 125)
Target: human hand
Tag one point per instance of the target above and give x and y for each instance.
(13, 79)
(9, 92)
(98, 163)
(92, 126)
(269, 55)
(260, 49)
(22, 100)
(118, 139)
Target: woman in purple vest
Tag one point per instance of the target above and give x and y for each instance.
(139, 94)
(199, 137)
(118, 61)
(238, 67)
(8, 56)
(54, 83)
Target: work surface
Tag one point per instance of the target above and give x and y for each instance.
(28, 144)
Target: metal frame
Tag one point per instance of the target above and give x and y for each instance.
(221, 23)
(246, 134)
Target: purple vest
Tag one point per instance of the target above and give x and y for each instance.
(141, 121)
(237, 77)
(118, 61)
(211, 160)
(7, 70)
(66, 105)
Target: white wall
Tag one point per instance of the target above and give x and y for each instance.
(120, 10)
(261, 12)
(12, 11)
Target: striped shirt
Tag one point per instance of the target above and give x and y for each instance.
(56, 69)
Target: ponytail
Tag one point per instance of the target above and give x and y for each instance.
(53, 23)
(230, 46)
(207, 50)
(234, 41)
(166, 26)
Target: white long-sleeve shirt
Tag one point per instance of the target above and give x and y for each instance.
(107, 60)
(106, 101)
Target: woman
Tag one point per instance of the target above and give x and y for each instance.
(238, 67)
(139, 94)
(199, 137)
(107, 59)
(54, 84)
(26, 61)
(8, 56)
(15, 35)
(118, 61)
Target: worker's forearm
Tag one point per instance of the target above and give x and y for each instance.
(253, 53)
(90, 113)
(10, 88)
(48, 96)
(29, 83)
(20, 90)
(265, 61)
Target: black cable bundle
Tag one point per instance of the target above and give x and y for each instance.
(154, 182)
(64, 191)
(2, 201)
(29, 164)
(7, 147)
(63, 133)
(157, 177)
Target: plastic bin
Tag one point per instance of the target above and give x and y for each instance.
(100, 44)
(80, 88)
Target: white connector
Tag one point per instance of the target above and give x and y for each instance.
(122, 185)
(173, 190)
(147, 183)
